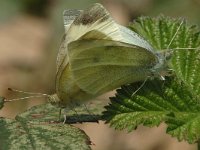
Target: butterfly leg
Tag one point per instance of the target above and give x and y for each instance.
(65, 118)
(59, 115)
(90, 113)
(139, 87)
(73, 107)
(65, 115)
(70, 107)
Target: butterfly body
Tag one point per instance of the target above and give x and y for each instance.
(98, 55)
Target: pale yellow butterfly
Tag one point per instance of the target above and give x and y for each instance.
(98, 55)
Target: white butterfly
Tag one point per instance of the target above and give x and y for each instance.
(98, 55)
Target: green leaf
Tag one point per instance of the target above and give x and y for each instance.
(175, 100)
(49, 113)
(23, 136)
(152, 105)
(37, 128)
(185, 126)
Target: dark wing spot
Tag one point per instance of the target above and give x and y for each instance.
(96, 59)
(92, 14)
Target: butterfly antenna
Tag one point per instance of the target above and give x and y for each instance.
(28, 97)
(175, 34)
(33, 95)
(139, 87)
(184, 48)
(178, 48)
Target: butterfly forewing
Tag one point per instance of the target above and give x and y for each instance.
(98, 19)
(68, 16)
(76, 26)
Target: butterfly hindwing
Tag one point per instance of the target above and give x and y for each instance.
(102, 65)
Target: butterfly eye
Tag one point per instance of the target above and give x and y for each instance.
(165, 54)
(168, 54)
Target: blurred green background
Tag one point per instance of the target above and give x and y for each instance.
(30, 35)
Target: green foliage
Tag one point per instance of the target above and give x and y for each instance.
(156, 102)
(25, 135)
(36, 129)
(48, 112)
(174, 101)
(39, 128)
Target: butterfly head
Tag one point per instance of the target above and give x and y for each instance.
(53, 99)
(161, 69)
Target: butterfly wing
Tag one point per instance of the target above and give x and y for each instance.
(68, 16)
(103, 55)
(98, 19)
(99, 66)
